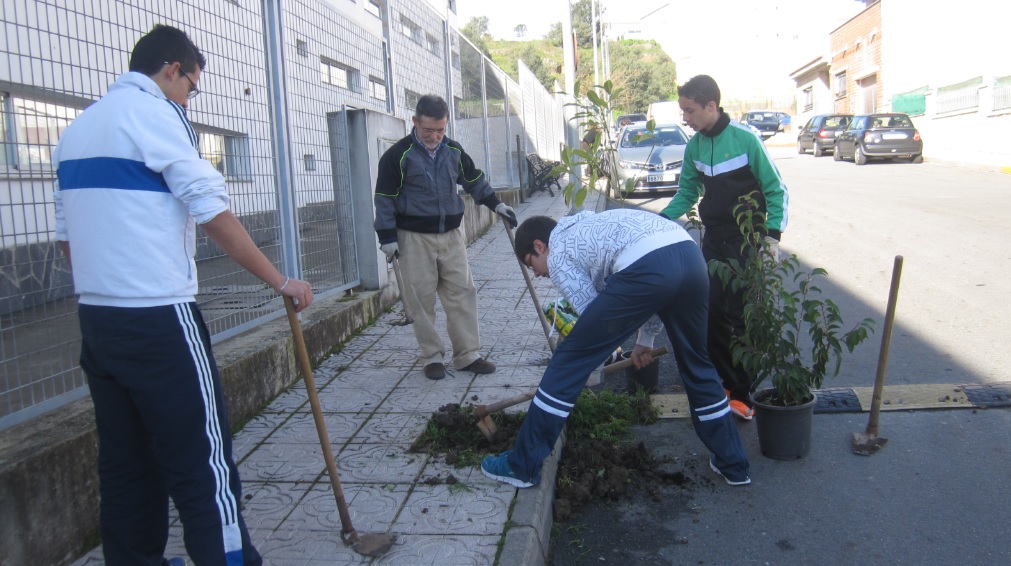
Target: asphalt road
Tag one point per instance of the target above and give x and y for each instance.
(952, 228)
(935, 493)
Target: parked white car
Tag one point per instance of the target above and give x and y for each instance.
(649, 162)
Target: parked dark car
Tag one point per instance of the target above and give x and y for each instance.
(819, 133)
(784, 120)
(626, 119)
(885, 136)
(767, 123)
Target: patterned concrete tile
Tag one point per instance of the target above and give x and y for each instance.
(468, 476)
(411, 400)
(337, 399)
(379, 463)
(393, 428)
(456, 509)
(254, 432)
(266, 505)
(372, 507)
(283, 462)
(288, 400)
(379, 380)
(515, 378)
(301, 428)
(446, 550)
(285, 547)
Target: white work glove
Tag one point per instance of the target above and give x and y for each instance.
(391, 249)
(773, 247)
(507, 214)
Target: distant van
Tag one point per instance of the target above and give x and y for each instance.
(664, 112)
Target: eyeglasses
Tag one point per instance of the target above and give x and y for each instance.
(194, 91)
(439, 131)
(527, 261)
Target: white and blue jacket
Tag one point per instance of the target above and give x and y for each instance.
(131, 187)
(586, 248)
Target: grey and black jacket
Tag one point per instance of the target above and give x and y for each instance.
(418, 193)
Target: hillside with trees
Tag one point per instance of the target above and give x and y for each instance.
(641, 68)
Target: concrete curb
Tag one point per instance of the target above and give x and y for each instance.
(528, 535)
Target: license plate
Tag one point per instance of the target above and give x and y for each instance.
(661, 178)
(893, 136)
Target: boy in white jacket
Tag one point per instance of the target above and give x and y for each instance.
(131, 189)
(621, 270)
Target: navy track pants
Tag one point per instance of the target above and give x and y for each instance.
(673, 283)
(162, 432)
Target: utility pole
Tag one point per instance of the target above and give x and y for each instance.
(596, 73)
(569, 65)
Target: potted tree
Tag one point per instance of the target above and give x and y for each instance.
(793, 335)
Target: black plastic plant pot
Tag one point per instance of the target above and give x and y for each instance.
(784, 433)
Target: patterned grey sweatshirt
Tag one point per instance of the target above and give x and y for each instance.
(586, 248)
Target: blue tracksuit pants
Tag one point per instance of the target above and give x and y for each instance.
(673, 283)
(162, 432)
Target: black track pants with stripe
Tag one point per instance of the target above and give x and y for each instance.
(672, 283)
(162, 432)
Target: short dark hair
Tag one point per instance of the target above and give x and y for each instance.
(432, 106)
(702, 89)
(533, 228)
(165, 44)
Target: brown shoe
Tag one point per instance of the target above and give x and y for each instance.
(480, 365)
(435, 371)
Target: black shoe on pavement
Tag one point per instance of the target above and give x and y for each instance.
(480, 365)
(435, 371)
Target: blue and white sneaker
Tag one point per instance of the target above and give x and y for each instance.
(497, 468)
(743, 480)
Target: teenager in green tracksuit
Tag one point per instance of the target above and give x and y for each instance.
(723, 162)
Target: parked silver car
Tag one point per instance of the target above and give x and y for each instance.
(647, 161)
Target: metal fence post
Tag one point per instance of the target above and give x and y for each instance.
(291, 257)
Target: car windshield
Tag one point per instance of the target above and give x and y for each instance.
(763, 117)
(891, 122)
(836, 121)
(640, 137)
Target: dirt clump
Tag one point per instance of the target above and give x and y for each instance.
(597, 463)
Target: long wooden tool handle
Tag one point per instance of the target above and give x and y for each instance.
(609, 369)
(302, 357)
(408, 319)
(481, 412)
(533, 295)
(886, 341)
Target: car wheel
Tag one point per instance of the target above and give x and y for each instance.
(800, 148)
(818, 152)
(858, 156)
(837, 154)
(918, 158)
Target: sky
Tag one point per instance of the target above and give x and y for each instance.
(749, 47)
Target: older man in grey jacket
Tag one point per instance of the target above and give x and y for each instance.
(419, 217)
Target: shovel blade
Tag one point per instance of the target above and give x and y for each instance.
(374, 545)
(867, 444)
(487, 427)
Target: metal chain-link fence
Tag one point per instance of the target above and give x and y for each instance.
(270, 117)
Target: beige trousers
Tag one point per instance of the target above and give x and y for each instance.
(437, 263)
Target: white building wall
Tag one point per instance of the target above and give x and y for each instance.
(924, 46)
